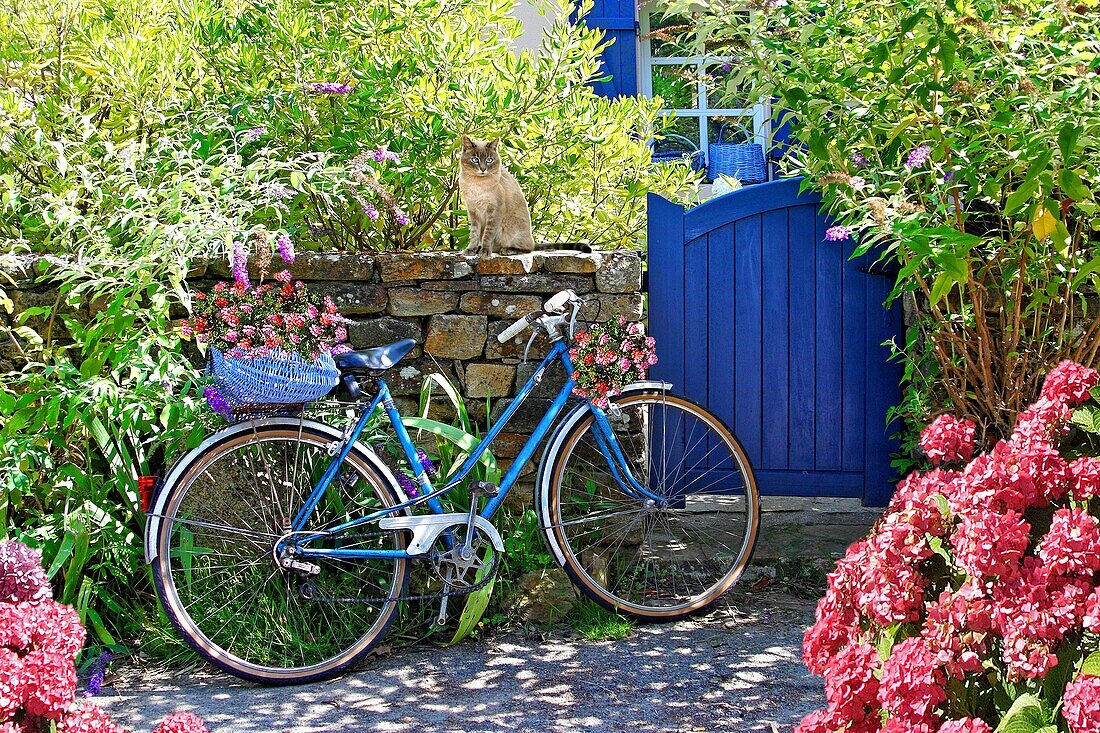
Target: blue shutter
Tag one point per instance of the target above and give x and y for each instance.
(620, 60)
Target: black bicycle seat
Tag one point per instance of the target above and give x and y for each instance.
(376, 359)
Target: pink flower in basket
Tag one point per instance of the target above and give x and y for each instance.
(608, 357)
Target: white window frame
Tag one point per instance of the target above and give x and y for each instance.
(760, 113)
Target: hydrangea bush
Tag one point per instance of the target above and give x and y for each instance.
(974, 604)
(39, 642)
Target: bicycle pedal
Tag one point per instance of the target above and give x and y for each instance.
(484, 488)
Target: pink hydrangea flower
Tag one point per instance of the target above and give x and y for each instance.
(948, 439)
(182, 722)
(1072, 545)
(988, 543)
(912, 685)
(966, 725)
(57, 628)
(12, 683)
(16, 621)
(88, 719)
(1081, 705)
(1086, 478)
(1091, 618)
(21, 575)
(851, 686)
(1070, 383)
(821, 721)
(1046, 420)
(50, 680)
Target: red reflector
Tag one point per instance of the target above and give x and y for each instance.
(146, 484)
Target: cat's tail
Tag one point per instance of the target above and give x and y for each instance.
(566, 246)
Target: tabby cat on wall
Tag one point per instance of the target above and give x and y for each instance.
(500, 222)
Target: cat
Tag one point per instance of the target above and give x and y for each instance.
(500, 222)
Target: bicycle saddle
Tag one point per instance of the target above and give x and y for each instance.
(378, 358)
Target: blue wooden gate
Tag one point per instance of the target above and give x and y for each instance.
(760, 318)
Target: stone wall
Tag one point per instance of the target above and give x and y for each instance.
(452, 304)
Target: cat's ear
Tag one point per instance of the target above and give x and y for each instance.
(494, 144)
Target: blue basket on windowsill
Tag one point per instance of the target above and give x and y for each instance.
(743, 161)
(674, 148)
(275, 377)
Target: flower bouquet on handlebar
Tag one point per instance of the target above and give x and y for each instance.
(270, 343)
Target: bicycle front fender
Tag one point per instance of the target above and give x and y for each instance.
(553, 445)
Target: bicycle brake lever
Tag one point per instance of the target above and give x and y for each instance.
(573, 318)
(534, 334)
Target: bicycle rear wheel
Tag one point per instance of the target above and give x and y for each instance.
(218, 573)
(652, 560)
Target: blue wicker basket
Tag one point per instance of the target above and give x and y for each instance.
(275, 378)
(676, 148)
(743, 161)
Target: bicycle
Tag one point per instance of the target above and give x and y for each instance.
(281, 546)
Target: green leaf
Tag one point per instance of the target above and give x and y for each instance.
(1024, 716)
(1020, 196)
(1067, 140)
(942, 286)
(1071, 183)
(1087, 418)
(460, 438)
(1091, 665)
(476, 602)
(886, 641)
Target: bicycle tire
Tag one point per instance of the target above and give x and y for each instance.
(587, 575)
(384, 491)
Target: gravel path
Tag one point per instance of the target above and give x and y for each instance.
(735, 670)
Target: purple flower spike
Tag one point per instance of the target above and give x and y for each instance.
(859, 160)
(400, 217)
(407, 484)
(21, 575)
(382, 155)
(426, 463)
(327, 87)
(286, 248)
(837, 233)
(254, 134)
(240, 264)
(98, 672)
(918, 157)
(217, 402)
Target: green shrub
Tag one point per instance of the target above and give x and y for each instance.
(962, 140)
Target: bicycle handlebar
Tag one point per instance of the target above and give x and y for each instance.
(554, 306)
(519, 326)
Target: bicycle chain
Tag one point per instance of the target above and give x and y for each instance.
(415, 596)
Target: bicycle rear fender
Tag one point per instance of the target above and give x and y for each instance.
(553, 445)
(153, 519)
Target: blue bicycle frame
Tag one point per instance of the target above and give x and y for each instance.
(605, 440)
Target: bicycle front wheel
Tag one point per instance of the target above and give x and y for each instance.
(652, 559)
(221, 571)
